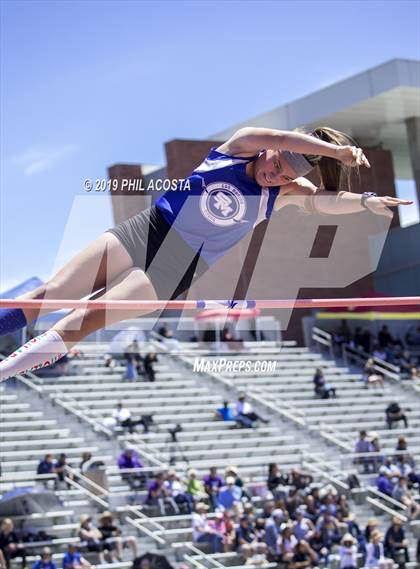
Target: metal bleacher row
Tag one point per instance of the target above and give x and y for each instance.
(68, 414)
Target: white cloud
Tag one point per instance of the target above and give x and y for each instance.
(33, 161)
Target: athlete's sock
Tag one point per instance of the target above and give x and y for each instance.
(11, 319)
(39, 352)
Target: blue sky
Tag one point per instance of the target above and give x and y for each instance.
(90, 83)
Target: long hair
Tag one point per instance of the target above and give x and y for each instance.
(333, 173)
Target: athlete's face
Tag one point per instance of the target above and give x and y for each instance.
(271, 169)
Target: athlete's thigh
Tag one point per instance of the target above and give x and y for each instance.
(93, 268)
(133, 284)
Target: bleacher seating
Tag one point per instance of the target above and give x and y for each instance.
(179, 396)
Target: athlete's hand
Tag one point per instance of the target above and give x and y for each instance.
(381, 204)
(352, 156)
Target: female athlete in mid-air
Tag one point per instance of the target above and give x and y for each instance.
(158, 253)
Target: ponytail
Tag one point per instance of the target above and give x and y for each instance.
(333, 172)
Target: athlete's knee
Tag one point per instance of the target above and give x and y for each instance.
(71, 327)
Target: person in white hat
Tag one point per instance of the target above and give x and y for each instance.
(348, 552)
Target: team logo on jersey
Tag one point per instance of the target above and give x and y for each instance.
(222, 204)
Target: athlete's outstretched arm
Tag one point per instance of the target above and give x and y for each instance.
(303, 193)
(252, 140)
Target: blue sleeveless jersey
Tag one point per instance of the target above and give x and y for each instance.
(222, 205)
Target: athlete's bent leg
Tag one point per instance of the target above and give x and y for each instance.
(88, 271)
(133, 284)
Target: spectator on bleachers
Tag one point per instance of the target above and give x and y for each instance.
(132, 359)
(321, 387)
(316, 495)
(195, 487)
(353, 528)
(246, 541)
(122, 416)
(219, 526)
(202, 531)
(300, 479)
(384, 483)
(362, 446)
(375, 556)
(275, 480)
(386, 340)
(91, 535)
(378, 352)
(327, 525)
(158, 495)
(329, 504)
(169, 340)
(178, 492)
(113, 538)
(73, 559)
(304, 556)
(394, 414)
(130, 459)
(402, 494)
(311, 509)
(371, 376)
(286, 543)
(244, 410)
(272, 531)
(402, 446)
(302, 527)
(225, 413)
(343, 507)
(348, 552)
(109, 361)
(212, 485)
(395, 542)
(407, 469)
(45, 561)
(46, 465)
(268, 509)
(378, 459)
(10, 544)
(342, 335)
(60, 469)
(149, 362)
(316, 542)
(412, 336)
(85, 460)
(230, 495)
(407, 364)
(233, 471)
(391, 469)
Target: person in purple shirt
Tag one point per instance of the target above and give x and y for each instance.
(212, 485)
(363, 445)
(158, 495)
(383, 483)
(129, 459)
